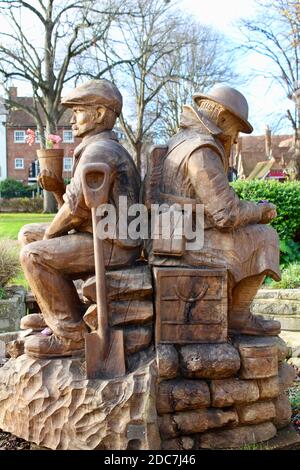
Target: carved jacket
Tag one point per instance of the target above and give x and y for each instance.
(196, 167)
(104, 147)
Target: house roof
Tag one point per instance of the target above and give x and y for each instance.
(20, 118)
(253, 149)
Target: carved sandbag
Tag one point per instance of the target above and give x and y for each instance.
(191, 305)
(168, 237)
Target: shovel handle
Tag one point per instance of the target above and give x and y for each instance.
(97, 194)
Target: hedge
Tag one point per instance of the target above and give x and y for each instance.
(22, 204)
(11, 188)
(286, 196)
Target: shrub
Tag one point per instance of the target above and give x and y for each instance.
(286, 196)
(13, 188)
(289, 252)
(24, 204)
(9, 262)
(290, 278)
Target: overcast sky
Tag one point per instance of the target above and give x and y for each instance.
(266, 100)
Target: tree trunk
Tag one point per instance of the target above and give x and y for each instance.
(138, 156)
(294, 165)
(50, 205)
(297, 153)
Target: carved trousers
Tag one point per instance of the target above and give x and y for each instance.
(50, 266)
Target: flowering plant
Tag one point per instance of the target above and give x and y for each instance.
(52, 140)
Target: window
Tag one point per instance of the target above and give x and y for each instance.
(68, 164)
(68, 136)
(19, 137)
(19, 163)
(37, 137)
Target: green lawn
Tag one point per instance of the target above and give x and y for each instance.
(10, 224)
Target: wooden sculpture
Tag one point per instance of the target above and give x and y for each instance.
(215, 377)
(104, 347)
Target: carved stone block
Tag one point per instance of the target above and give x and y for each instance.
(282, 349)
(123, 284)
(230, 392)
(237, 437)
(167, 361)
(259, 357)
(15, 348)
(137, 338)
(191, 305)
(192, 422)
(268, 388)
(125, 312)
(180, 395)
(50, 403)
(283, 411)
(209, 361)
(286, 376)
(180, 443)
(256, 412)
(256, 341)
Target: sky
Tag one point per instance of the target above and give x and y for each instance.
(265, 100)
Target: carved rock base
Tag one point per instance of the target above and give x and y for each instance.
(247, 403)
(50, 403)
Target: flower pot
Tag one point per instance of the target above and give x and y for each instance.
(51, 160)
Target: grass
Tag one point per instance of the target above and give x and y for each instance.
(294, 396)
(290, 278)
(10, 224)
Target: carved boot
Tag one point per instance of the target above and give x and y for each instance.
(240, 319)
(34, 321)
(52, 346)
(255, 325)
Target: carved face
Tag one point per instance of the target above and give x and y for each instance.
(85, 120)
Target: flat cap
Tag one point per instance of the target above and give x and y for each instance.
(93, 93)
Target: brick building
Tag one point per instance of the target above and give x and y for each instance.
(254, 150)
(18, 160)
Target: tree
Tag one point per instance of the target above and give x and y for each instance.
(198, 65)
(275, 34)
(44, 55)
(163, 53)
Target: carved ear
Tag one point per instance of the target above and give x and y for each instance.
(100, 114)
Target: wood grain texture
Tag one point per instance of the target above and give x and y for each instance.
(123, 284)
(50, 403)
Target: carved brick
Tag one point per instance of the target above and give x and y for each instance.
(210, 361)
(230, 392)
(283, 411)
(167, 361)
(268, 388)
(259, 357)
(179, 395)
(237, 437)
(191, 422)
(256, 412)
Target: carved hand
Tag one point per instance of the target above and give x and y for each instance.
(49, 181)
(268, 212)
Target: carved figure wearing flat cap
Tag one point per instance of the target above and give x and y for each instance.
(53, 256)
(235, 232)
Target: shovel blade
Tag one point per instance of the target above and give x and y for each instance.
(105, 361)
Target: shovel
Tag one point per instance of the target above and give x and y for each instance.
(104, 348)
